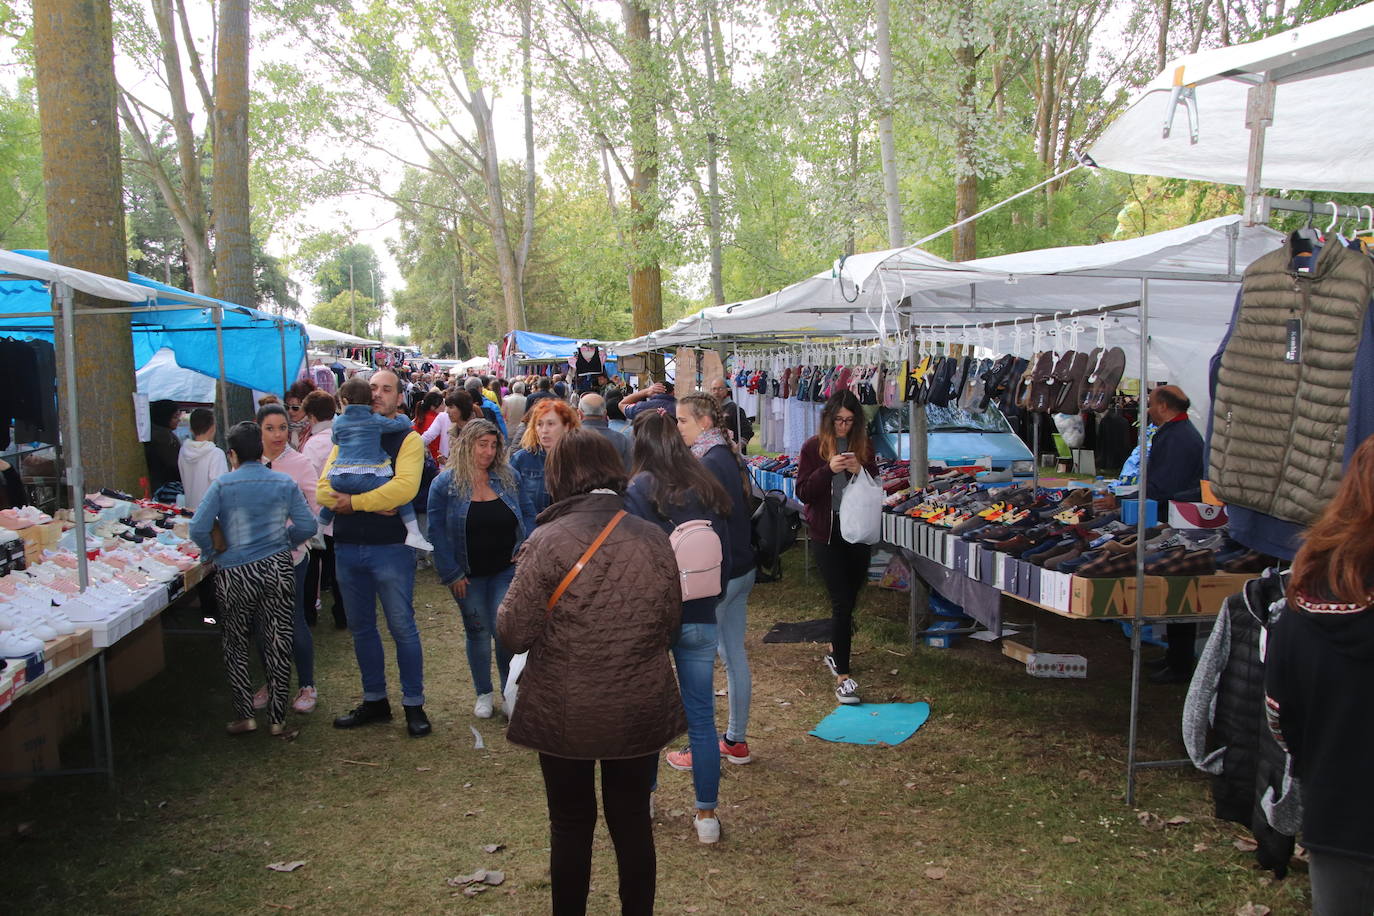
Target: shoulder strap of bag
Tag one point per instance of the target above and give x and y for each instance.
(582, 561)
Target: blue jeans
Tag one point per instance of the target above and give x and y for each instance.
(730, 615)
(302, 641)
(694, 654)
(479, 621)
(367, 572)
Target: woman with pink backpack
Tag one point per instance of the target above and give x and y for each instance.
(675, 491)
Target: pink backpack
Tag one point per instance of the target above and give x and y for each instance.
(697, 548)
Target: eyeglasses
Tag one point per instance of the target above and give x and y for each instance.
(293, 407)
(845, 420)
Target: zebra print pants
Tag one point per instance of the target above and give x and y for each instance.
(260, 595)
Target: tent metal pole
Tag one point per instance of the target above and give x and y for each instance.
(76, 477)
(919, 471)
(222, 384)
(281, 336)
(1137, 620)
(1259, 115)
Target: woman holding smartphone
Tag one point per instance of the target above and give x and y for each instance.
(829, 460)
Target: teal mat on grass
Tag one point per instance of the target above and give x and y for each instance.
(873, 723)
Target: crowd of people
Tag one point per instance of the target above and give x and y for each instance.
(558, 523)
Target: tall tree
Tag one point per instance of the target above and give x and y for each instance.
(23, 222)
(233, 234)
(646, 277)
(892, 199)
(74, 62)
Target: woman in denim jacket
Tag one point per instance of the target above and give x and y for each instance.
(477, 521)
(242, 525)
(547, 422)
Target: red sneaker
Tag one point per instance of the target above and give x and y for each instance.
(680, 760)
(736, 753)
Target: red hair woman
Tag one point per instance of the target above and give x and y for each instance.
(545, 425)
(1319, 677)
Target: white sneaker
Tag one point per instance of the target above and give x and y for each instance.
(847, 692)
(482, 709)
(708, 829)
(418, 542)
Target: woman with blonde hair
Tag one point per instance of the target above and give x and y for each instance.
(477, 522)
(547, 422)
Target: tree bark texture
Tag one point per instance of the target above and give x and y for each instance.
(233, 230)
(966, 138)
(892, 200)
(712, 156)
(646, 279)
(74, 57)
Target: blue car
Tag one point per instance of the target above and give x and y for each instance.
(955, 436)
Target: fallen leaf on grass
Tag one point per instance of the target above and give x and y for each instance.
(360, 763)
(493, 847)
(911, 785)
(1178, 820)
(1066, 839)
(472, 890)
(477, 743)
(176, 871)
(1200, 847)
(286, 866)
(281, 906)
(1149, 819)
(467, 785)
(423, 769)
(893, 672)
(1245, 844)
(1085, 774)
(1253, 909)
(936, 872)
(482, 876)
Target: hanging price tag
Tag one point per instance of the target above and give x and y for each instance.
(1292, 351)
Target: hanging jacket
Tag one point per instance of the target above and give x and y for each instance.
(1225, 731)
(1279, 428)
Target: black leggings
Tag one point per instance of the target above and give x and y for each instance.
(844, 567)
(319, 577)
(571, 789)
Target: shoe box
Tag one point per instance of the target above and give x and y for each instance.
(136, 659)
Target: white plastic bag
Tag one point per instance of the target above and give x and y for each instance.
(861, 510)
(511, 689)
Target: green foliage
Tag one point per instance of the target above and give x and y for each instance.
(342, 266)
(352, 312)
(23, 217)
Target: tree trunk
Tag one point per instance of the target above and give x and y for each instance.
(233, 230)
(892, 199)
(527, 101)
(188, 155)
(1166, 12)
(646, 278)
(496, 206)
(74, 64)
(965, 141)
(712, 165)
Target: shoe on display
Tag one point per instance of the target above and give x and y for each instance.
(305, 700)
(680, 760)
(484, 706)
(417, 723)
(364, 713)
(18, 643)
(847, 692)
(737, 753)
(708, 829)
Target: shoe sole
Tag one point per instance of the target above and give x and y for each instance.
(849, 701)
(738, 761)
(677, 766)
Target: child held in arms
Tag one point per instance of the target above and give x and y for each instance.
(362, 464)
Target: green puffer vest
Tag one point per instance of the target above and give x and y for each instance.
(1278, 429)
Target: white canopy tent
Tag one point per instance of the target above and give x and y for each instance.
(1273, 113)
(1193, 275)
(319, 334)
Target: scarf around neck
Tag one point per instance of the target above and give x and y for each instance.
(707, 441)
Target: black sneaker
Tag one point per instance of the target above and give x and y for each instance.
(417, 723)
(365, 712)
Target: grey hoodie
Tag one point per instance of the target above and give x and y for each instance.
(200, 463)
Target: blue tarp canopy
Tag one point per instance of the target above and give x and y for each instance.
(547, 346)
(261, 351)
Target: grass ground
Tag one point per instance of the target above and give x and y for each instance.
(1009, 800)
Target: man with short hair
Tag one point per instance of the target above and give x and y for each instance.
(735, 417)
(373, 562)
(490, 409)
(200, 460)
(545, 386)
(592, 408)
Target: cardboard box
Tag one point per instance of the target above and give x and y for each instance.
(1114, 597)
(1196, 516)
(1199, 595)
(959, 553)
(136, 659)
(1044, 664)
(71, 701)
(1011, 575)
(1013, 649)
(1055, 589)
(48, 533)
(28, 739)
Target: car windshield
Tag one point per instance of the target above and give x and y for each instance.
(958, 419)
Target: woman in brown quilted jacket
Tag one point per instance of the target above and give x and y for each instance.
(612, 624)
